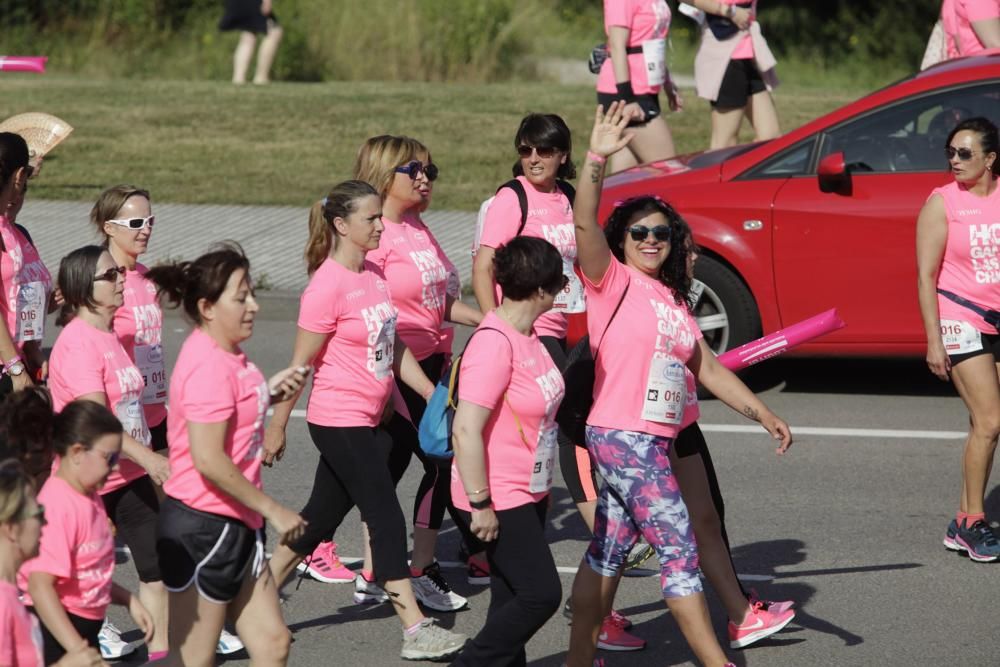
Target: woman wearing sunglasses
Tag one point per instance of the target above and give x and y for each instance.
(637, 275)
(635, 72)
(68, 585)
(504, 435)
(88, 361)
(418, 274)
(958, 282)
(25, 281)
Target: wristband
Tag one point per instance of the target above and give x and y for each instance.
(16, 359)
(594, 157)
(625, 91)
(481, 504)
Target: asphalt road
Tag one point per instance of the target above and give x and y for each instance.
(848, 525)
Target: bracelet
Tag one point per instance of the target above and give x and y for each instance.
(481, 504)
(477, 492)
(625, 91)
(594, 157)
(16, 359)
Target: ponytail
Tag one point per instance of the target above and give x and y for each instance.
(187, 283)
(340, 203)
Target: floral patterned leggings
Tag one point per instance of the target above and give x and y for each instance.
(640, 496)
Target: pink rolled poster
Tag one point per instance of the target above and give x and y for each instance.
(780, 342)
(23, 63)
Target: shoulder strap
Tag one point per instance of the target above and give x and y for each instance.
(611, 319)
(978, 310)
(522, 199)
(567, 189)
(457, 363)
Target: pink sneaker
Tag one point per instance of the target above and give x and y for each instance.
(758, 624)
(324, 565)
(614, 638)
(620, 620)
(777, 606)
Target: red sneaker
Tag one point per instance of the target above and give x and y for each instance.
(614, 638)
(758, 624)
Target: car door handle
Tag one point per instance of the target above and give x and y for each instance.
(753, 225)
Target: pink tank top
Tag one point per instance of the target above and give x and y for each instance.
(971, 264)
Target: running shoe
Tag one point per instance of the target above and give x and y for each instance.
(228, 643)
(433, 591)
(777, 606)
(758, 624)
(978, 541)
(950, 535)
(324, 565)
(619, 618)
(639, 554)
(478, 571)
(111, 643)
(431, 642)
(368, 592)
(614, 638)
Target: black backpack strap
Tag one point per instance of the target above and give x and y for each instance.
(568, 190)
(522, 199)
(990, 316)
(25, 232)
(611, 319)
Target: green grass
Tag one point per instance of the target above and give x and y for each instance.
(211, 142)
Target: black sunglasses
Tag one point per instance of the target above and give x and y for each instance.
(111, 275)
(639, 233)
(415, 168)
(964, 154)
(543, 151)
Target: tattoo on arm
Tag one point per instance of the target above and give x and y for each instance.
(751, 413)
(595, 173)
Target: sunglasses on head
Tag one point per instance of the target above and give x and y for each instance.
(111, 274)
(415, 168)
(641, 232)
(135, 223)
(543, 151)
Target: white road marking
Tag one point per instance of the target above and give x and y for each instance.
(814, 430)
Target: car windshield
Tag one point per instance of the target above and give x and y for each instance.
(710, 158)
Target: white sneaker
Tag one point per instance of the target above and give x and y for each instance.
(368, 592)
(228, 643)
(110, 641)
(431, 642)
(433, 591)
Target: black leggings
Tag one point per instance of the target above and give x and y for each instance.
(352, 470)
(524, 588)
(85, 627)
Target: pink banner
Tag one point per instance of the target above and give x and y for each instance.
(780, 342)
(23, 63)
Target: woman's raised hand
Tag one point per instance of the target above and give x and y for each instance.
(609, 136)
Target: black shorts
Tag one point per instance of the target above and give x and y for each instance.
(134, 509)
(650, 105)
(741, 81)
(991, 345)
(87, 628)
(215, 553)
(158, 434)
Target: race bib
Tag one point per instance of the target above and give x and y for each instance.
(666, 392)
(960, 337)
(544, 468)
(133, 419)
(149, 359)
(30, 312)
(384, 349)
(654, 53)
(570, 299)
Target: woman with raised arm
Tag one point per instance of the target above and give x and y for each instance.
(629, 271)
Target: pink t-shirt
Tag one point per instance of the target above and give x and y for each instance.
(646, 20)
(957, 17)
(76, 548)
(743, 50)
(522, 371)
(550, 217)
(139, 326)
(20, 634)
(353, 379)
(210, 385)
(26, 286)
(648, 325)
(970, 267)
(416, 269)
(86, 360)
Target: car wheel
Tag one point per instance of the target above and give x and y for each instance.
(723, 306)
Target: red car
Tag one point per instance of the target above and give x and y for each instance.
(824, 216)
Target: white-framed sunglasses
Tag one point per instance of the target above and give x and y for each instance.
(135, 224)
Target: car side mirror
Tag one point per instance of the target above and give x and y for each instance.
(833, 174)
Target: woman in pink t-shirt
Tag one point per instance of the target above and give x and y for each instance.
(347, 330)
(89, 362)
(21, 521)
(68, 585)
(504, 435)
(210, 539)
(643, 338)
(25, 283)
(971, 26)
(635, 72)
(418, 274)
(734, 70)
(958, 278)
